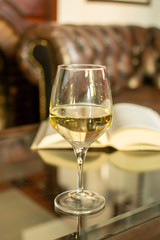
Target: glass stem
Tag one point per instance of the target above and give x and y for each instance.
(80, 155)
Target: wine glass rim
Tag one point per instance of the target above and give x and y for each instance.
(81, 66)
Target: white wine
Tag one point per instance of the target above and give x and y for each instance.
(79, 124)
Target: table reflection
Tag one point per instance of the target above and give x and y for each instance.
(126, 179)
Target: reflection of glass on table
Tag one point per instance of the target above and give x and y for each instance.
(127, 179)
(132, 196)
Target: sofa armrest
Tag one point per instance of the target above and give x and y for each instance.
(35, 61)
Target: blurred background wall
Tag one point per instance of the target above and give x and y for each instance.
(84, 11)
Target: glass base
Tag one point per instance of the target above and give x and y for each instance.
(73, 202)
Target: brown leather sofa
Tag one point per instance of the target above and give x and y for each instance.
(130, 53)
(15, 109)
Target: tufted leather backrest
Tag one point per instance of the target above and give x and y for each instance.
(130, 53)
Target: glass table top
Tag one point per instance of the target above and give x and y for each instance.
(29, 181)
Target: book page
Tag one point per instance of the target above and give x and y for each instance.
(127, 115)
(134, 127)
(133, 139)
(47, 137)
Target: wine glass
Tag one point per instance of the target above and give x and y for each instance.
(80, 111)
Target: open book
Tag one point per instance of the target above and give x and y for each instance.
(134, 127)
